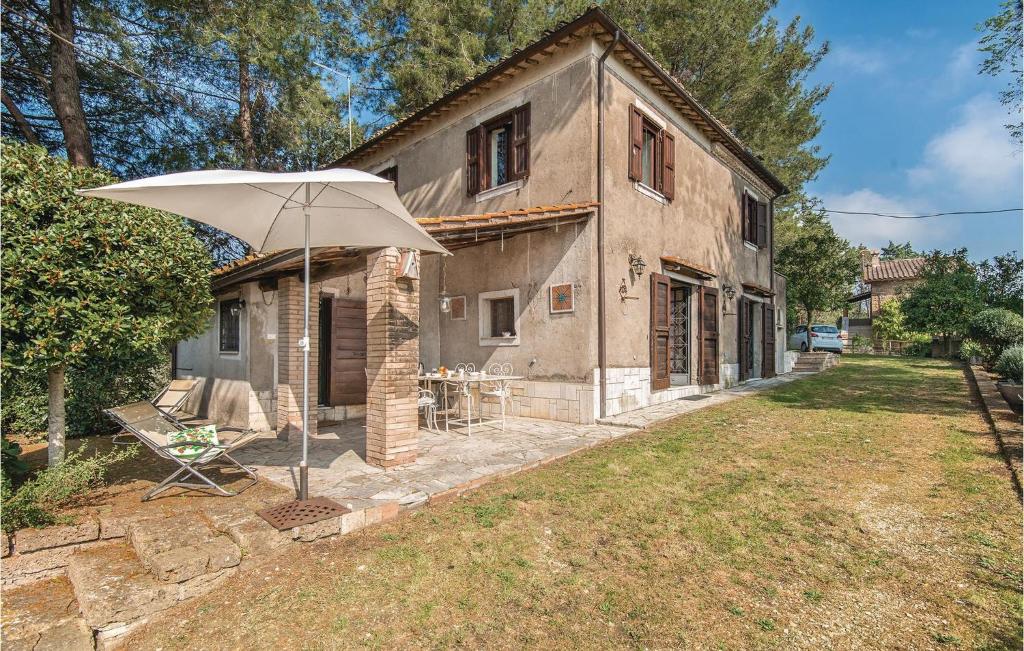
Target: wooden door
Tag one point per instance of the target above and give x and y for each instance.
(768, 340)
(743, 338)
(708, 335)
(661, 325)
(348, 352)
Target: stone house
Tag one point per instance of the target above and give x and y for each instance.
(880, 281)
(612, 241)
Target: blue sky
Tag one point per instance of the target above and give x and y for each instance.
(910, 124)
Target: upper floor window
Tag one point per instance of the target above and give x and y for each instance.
(652, 158)
(498, 151)
(391, 174)
(755, 221)
(230, 325)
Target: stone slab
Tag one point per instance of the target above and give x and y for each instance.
(43, 615)
(22, 568)
(30, 540)
(182, 547)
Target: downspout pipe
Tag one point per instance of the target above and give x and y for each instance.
(602, 330)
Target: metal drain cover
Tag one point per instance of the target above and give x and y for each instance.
(299, 512)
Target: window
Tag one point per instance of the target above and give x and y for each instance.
(499, 318)
(391, 174)
(652, 159)
(755, 221)
(230, 325)
(498, 151)
(825, 330)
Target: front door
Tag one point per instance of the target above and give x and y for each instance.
(661, 326)
(348, 352)
(679, 333)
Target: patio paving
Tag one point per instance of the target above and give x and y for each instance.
(452, 462)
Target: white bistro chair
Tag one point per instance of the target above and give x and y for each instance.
(427, 402)
(501, 390)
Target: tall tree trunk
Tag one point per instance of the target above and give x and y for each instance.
(19, 119)
(245, 113)
(65, 89)
(810, 315)
(55, 419)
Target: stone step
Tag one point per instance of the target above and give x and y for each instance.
(44, 615)
(245, 528)
(116, 591)
(182, 547)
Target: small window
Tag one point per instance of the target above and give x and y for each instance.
(391, 174)
(755, 221)
(499, 153)
(230, 325)
(652, 159)
(648, 159)
(503, 317)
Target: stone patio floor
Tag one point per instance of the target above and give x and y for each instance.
(452, 462)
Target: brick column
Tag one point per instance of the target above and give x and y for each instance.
(392, 357)
(289, 357)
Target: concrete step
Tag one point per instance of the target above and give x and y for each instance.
(181, 548)
(44, 615)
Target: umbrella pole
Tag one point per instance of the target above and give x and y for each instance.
(304, 466)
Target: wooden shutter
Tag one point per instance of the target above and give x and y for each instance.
(743, 337)
(768, 340)
(708, 335)
(762, 224)
(474, 160)
(348, 352)
(661, 322)
(521, 142)
(668, 165)
(636, 143)
(744, 210)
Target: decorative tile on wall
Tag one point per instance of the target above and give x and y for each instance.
(458, 311)
(562, 298)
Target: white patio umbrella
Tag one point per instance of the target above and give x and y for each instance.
(273, 211)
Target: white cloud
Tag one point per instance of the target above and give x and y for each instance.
(922, 32)
(963, 63)
(862, 60)
(975, 155)
(876, 232)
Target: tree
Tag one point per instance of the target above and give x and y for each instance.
(88, 280)
(890, 324)
(947, 297)
(820, 267)
(748, 70)
(894, 251)
(1002, 45)
(1001, 281)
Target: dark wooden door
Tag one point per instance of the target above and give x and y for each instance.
(661, 326)
(708, 335)
(743, 338)
(768, 340)
(348, 352)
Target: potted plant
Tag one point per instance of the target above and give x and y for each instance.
(1010, 368)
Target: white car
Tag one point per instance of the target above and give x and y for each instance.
(823, 337)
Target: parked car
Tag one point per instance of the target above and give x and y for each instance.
(823, 337)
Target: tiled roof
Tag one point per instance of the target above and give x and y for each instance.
(902, 269)
(685, 265)
(757, 290)
(466, 229)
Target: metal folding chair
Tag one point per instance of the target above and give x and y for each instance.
(152, 427)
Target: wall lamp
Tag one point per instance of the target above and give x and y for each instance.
(637, 264)
(730, 291)
(238, 307)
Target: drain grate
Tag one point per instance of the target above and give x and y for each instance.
(696, 396)
(292, 514)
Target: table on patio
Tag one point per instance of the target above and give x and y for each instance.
(464, 384)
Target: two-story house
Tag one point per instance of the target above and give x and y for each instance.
(612, 241)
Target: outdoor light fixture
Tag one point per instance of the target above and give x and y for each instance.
(444, 300)
(624, 292)
(238, 307)
(637, 264)
(730, 291)
(446, 303)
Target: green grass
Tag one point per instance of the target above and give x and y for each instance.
(743, 525)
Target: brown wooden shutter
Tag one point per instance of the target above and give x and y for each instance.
(708, 335)
(661, 322)
(636, 143)
(474, 160)
(521, 142)
(768, 340)
(668, 166)
(762, 224)
(348, 352)
(743, 337)
(744, 219)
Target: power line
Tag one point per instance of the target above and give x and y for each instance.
(935, 214)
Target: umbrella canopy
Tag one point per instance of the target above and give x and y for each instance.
(346, 207)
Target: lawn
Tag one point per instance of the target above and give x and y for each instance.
(866, 506)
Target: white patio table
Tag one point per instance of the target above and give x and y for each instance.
(465, 383)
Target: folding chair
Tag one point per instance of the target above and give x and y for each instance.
(152, 427)
(172, 397)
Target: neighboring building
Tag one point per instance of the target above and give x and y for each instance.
(881, 280)
(660, 282)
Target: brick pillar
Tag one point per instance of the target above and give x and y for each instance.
(392, 358)
(289, 357)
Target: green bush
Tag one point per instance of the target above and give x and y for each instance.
(11, 464)
(996, 330)
(970, 349)
(40, 500)
(1010, 365)
(89, 391)
(918, 345)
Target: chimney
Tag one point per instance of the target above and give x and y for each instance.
(869, 258)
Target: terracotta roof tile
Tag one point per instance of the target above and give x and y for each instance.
(241, 262)
(902, 269)
(699, 269)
